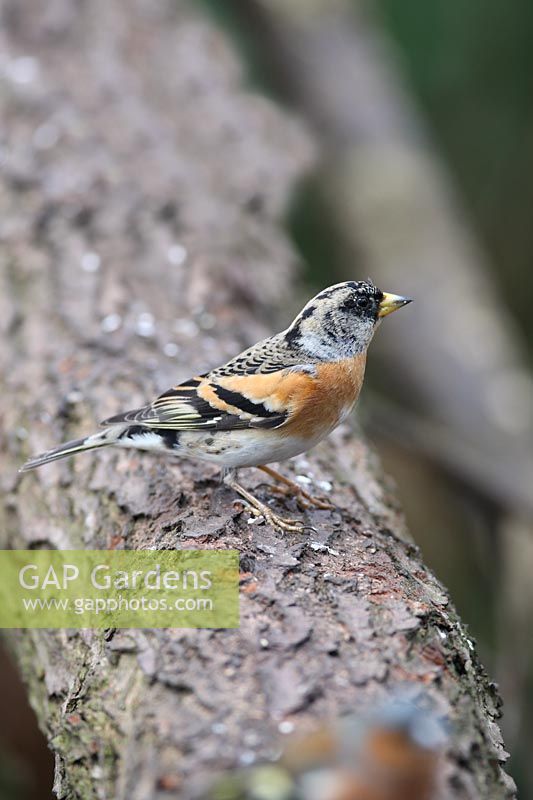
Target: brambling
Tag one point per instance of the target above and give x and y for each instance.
(392, 753)
(272, 402)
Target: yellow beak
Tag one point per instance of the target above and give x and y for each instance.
(391, 302)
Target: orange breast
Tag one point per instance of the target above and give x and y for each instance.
(322, 404)
(316, 402)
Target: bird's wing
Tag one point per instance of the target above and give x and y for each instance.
(268, 356)
(253, 390)
(224, 402)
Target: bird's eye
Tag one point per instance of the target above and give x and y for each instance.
(362, 302)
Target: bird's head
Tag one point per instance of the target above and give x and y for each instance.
(340, 321)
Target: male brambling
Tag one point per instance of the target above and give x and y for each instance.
(273, 401)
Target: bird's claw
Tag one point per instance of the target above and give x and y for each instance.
(279, 523)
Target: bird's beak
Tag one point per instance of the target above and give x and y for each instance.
(391, 302)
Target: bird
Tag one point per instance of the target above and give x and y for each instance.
(391, 752)
(273, 401)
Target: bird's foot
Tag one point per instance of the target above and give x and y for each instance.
(293, 489)
(260, 509)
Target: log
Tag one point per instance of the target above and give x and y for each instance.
(142, 192)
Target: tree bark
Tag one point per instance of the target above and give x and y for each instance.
(142, 190)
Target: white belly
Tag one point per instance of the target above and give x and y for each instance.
(241, 448)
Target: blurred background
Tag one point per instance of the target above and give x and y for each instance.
(423, 113)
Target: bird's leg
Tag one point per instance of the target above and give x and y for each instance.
(258, 508)
(293, 488)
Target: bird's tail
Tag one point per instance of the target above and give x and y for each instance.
(100, 439)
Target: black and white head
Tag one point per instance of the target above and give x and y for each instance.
(340, 321)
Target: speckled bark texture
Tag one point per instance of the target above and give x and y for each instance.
(141, 192)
